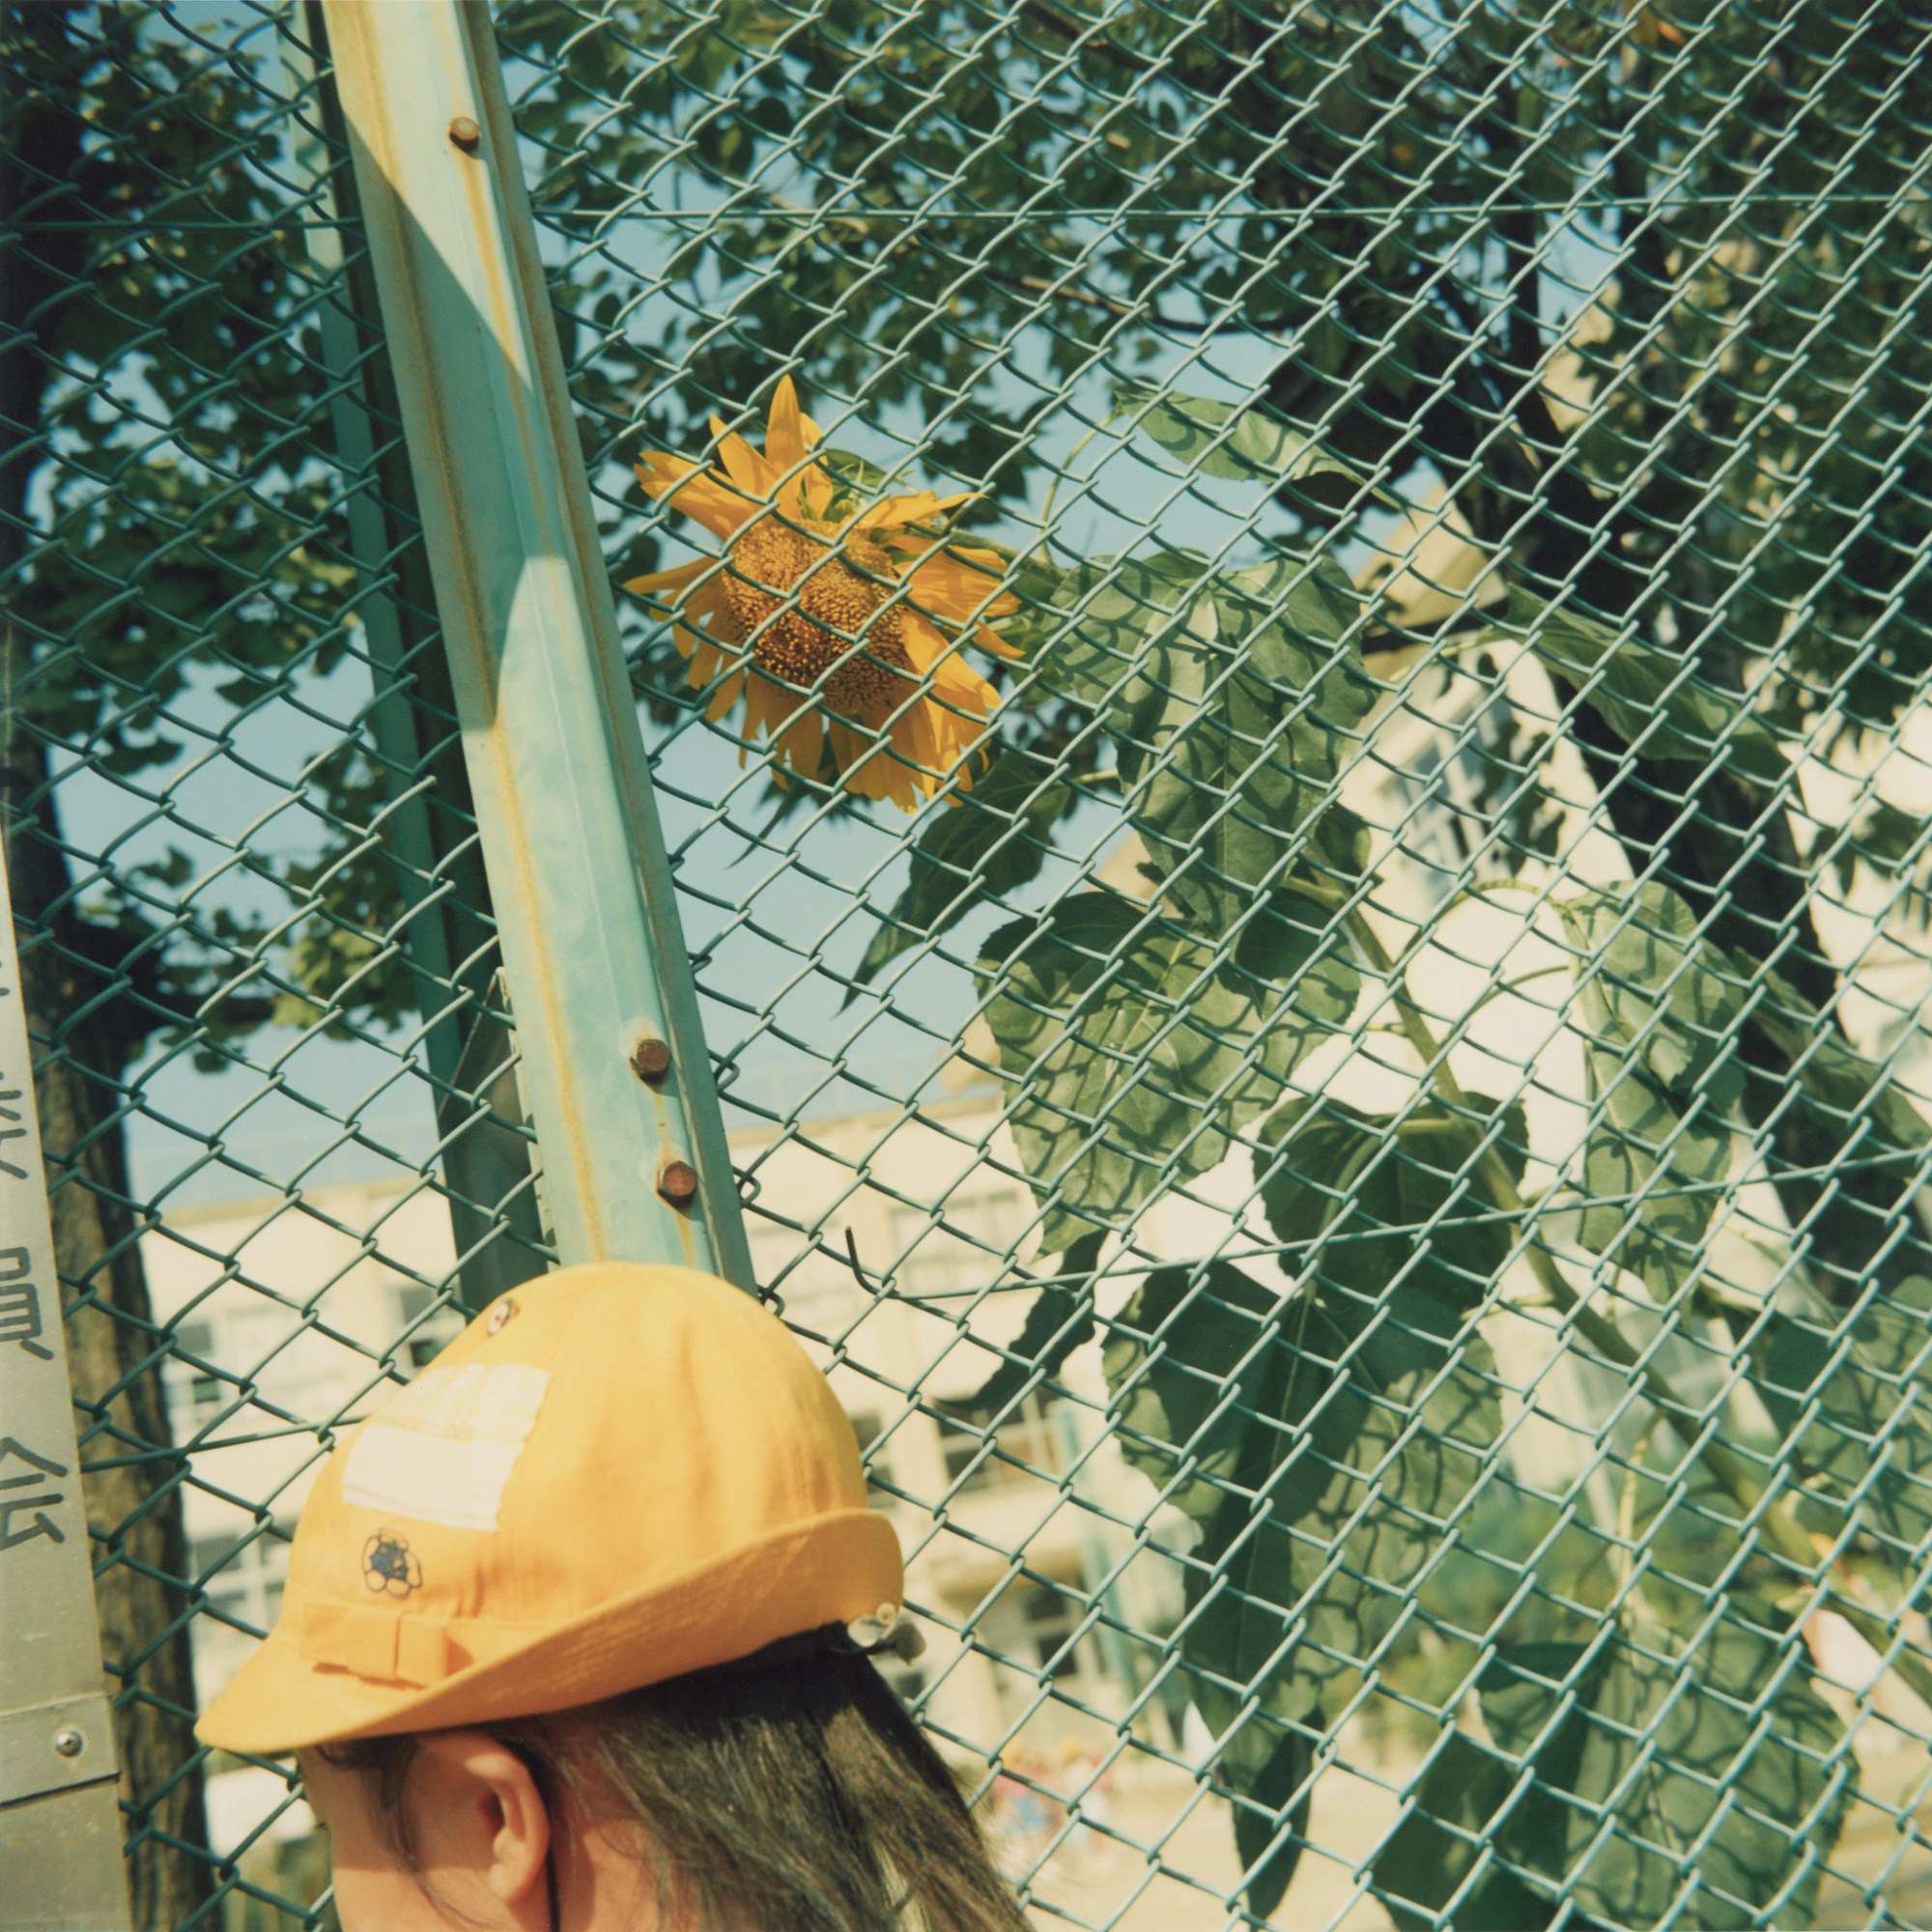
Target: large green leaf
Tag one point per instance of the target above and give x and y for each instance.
(995, 838)
(1652, 700)
(1321, 1443)
(1856, 1403)
(1448, 1823)
(1653, 1173)
(1233, 702)
(1647, 984)
(1132, 1050)
(1242, 446)
(1236, 733)
(1113, 607)
(1859, 1096)
(1659, 1009)
(1058, 1320)
(1268, 1770)
(1701, 1782)
(1366, 1198)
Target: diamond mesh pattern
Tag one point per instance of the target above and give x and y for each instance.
(1357, 1164)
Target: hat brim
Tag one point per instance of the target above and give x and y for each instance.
(831, 1569)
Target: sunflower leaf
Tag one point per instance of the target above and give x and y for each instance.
(1649, 987)
(1659, 1009)
(1857, 1097)
(1235, 728)
(855, 482)
(1654, 1166)
(1223, 440)
(994, 840)
(1113, 607)
(1697, 1777)
(1132, 1049)
(1848, 1393)
(1060, 1319)
(1286, 1426)
(1363, 1199)
(1653, 701)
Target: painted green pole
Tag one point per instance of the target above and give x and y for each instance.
(632, 1144)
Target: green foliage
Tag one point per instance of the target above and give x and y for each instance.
(1210, 439)
(1133, 1049)
(1348, 1192)
(1320, 1441)
(1849, 1400)
(1858, 1099)
(1658, 1013)
(994, 840)
(1653, 701)
(1730, 552)
(1632, 1777)
(1716, 1764)
(173, 582)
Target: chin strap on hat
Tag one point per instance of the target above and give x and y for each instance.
(888, 1629)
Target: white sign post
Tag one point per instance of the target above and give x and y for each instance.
(60, 1822)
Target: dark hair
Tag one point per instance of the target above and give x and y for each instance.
(789, 1796)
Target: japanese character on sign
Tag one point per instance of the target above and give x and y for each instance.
(12, 1131)
(40, 1469)
(21, 1318)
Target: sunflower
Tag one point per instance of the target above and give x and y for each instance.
(843, 635)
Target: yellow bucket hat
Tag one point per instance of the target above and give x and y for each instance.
(614, 1475)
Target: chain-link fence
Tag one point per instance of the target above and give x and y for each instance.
(1316, 989)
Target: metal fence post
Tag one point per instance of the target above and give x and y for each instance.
(634, 1155)
(469, 1048)
(60, 1821)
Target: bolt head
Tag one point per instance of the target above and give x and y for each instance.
(68, 1742)
(677, 1183)
(466, 133)
(650, 1059)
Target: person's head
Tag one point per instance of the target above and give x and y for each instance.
(576, 1632)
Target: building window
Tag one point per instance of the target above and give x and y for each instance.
(878, 1458)
(1032, 1433)
(971, 1251)
(1032, 1626)
(247, 1584)
(195, 1394)
(440, 1322)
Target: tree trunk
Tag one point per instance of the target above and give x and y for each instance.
(84, 1042)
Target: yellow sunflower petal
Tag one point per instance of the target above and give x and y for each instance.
(767, 707)
(726, 698)
(801, 741)
(950, 589)
(743, 464)
(989, 639)
(937, 658)
(912, 509)
(699, 493)
(674, 578)
(784, 429)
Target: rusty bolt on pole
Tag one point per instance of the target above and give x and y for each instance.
(650, 1059)
(466, 133)
(677, 1181)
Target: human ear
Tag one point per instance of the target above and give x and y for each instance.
(481, 1820)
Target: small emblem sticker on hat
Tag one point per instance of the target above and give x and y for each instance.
(498, 1316)
(390, 1565)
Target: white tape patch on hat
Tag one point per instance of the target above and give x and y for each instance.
(443, 1449)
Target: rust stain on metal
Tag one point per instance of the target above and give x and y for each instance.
(677, 1181)
(650, 1059)
(493, 296)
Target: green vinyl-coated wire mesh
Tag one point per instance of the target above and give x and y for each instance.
(1356, 1156)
